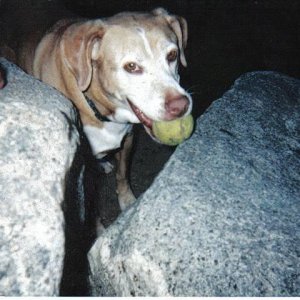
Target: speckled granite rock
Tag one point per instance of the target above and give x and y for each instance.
(222, 218)
(37, 147)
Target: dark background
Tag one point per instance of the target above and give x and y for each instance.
(226, 39)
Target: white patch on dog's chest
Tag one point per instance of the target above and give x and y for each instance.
(107, 138)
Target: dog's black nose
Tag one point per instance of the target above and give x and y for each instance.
(176, 106)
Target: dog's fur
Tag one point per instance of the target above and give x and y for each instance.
(127, 65)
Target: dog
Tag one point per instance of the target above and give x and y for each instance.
(117, 71)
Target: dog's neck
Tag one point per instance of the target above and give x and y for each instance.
(97, 113)
(99, 102)
(105, 105)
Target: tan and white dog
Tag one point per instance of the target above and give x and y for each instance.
(117, 71)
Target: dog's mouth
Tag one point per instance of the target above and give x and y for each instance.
(147, 122)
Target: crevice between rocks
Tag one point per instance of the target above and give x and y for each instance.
(79, 224)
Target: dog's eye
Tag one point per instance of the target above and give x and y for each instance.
(172, 56)
(132, 67)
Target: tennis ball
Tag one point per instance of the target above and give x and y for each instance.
(173, 132)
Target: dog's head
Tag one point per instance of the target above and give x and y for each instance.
(131, 60)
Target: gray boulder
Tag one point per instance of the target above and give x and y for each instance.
(38, 143)
(222, 218)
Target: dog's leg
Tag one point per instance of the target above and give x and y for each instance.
(125, 195)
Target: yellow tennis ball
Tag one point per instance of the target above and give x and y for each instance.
(173, 132)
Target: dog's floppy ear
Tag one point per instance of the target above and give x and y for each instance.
(80, 45)
(179, 26)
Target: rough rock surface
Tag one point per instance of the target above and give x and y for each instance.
(38, 142)
(222, 218)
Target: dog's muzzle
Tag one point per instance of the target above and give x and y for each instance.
(176, 106)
